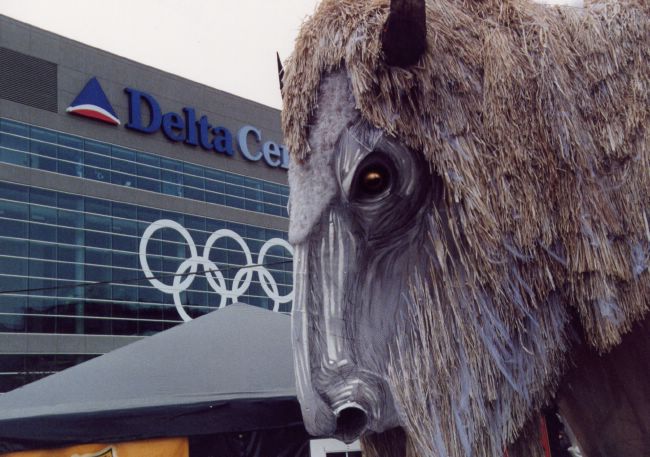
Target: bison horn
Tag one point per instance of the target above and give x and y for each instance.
(404, 37)
(280, 70)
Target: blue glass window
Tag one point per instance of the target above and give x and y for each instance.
(17, 128)
(125, 226)
(41, 286)
(14, 192)
(215, 176)
(14, 210)
(97, 273)
(253, 205)
(194, 194)
(16, 229)
(42, 250)
(70, 162)
(70, 218)
(126, 260)
(96, 256)
(42, 268)
(10, 265)
(172, 177)
(235, 202)
(124, 210)
(123, 160)
(43, 219)
(97, 206)
(122, 274)
(153, 185)
(150, 295)
(217, 199)
(97, 239)
(148, 214)
(14, 142)
(172, 183)
(234, 185)
(70, 271)
(71, 288)
(42, 233)
(97, 147)
(126, 292)
(96, 222)
(97, 167)
(42, 197)
(13, 283)
(69, 235)
(70, 201)
(193, 178)
(14, 248)
(123, 167)
(123, 179)
(70, 254)
(71, 141)
(193, 222)
(176, 217)
(10, 156)
(148, 170)
(126, 243)
(43, 146)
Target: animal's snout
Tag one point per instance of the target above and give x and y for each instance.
(341, 388)
(351, 422)
(358, 406)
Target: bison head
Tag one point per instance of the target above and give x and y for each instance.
(388, 328)
(455, 215)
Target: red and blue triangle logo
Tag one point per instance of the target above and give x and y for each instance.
(92, 102)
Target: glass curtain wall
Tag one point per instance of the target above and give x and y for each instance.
(45, 149)
(70, 264)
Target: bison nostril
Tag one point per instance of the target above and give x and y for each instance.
(351, 421)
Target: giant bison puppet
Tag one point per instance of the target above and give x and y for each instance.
(470, 189)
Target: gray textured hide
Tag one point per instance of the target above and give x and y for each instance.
(349, 241)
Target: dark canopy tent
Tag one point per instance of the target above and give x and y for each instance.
(225, 376)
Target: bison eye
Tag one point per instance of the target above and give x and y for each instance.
(373, 179)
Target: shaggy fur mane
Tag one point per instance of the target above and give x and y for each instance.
(536, 119)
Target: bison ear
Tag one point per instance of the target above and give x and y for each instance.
(404, 37)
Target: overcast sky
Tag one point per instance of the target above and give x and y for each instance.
(226, 44)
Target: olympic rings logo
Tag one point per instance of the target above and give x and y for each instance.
(216, 279)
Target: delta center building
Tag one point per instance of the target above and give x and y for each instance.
(130, 200)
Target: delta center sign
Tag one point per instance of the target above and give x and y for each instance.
(146, 116)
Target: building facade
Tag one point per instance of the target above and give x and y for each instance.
(130, 200)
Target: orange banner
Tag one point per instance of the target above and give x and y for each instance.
(166, 447)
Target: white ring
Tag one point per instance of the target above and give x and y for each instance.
(177, 293)
(273, 294)
(161, 224)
